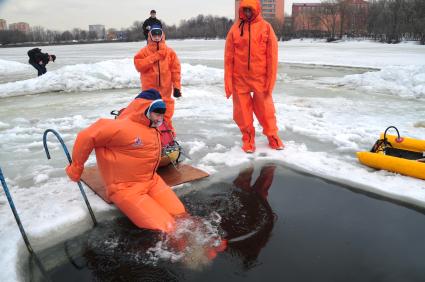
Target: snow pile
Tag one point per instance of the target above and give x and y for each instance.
(112, 74)
(11, 67)
(403, 81)
(363, 54)
(82, 77)
(200, 75)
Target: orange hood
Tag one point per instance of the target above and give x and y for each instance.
(154, 45)
(254, 5)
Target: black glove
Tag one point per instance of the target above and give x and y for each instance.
(177, 93)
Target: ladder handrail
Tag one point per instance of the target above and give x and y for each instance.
(70, 161)
(21, 227)
(15, 212)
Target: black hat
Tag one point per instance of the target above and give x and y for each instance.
(153, 11)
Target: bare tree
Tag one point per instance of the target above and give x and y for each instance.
(66, 36)
(277, 27)
(76, 34)
(418, 20)
(329, 16)
(12, 36)
(92, 35)
(206, 27)
(37, 34)
(84, 35)
(136, 32)
(345, 10)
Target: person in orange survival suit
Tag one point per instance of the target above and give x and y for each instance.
(160, 68)
(128, 152)
(251, 66)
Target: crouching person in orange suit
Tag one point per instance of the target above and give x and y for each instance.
(159, 68)
(250, 67)
(128, 151)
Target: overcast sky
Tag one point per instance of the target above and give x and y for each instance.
(67, 14)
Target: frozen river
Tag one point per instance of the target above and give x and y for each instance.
(332, 100)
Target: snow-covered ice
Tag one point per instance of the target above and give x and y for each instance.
(112, 74)
(332, 99)
(403, 81)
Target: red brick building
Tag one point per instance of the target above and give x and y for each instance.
(24, 27)
(347, 17)
(3, 24)
(270, 9)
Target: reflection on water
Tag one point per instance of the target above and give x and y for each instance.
(279, 225)
(246, 217)
(249, 246)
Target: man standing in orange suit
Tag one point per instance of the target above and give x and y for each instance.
(250, 74)
(159, 68)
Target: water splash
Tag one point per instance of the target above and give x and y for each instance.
(194, 243)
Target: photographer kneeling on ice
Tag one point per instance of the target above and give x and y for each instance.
(128, 151)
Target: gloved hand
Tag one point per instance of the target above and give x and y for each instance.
(228, 92)
(73, 172)
(177, 93)
(228, 86)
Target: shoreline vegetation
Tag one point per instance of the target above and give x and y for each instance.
(386, 21)
(41, 44)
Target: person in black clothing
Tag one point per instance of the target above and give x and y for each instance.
(149, 23)
(39, 60)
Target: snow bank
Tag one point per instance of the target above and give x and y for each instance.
(112, 74)
(12, 67)
(363, 54)
(403, 81)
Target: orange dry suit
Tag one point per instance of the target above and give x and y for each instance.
(251, 66)
(160, 69)
(128, 152)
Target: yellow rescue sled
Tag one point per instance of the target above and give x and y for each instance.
(396, 154)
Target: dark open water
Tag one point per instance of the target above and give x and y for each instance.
(282, 226)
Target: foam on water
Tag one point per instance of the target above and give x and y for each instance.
(193, 243)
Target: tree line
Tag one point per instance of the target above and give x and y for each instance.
(394, 20)
(41, 35)
(201, 27)
(383, 20)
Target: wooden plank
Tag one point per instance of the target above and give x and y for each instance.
(92, 178)
(172, 176)
(184, 173)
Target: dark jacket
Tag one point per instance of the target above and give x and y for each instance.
(149, 23)
(41, 57)
(32, 53)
